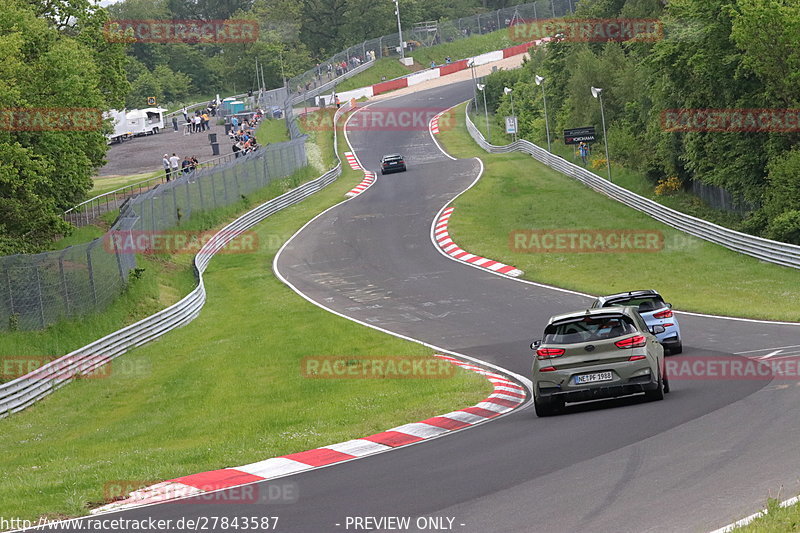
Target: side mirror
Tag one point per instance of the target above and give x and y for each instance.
(669, 305)
(657, 329)
(535, 345)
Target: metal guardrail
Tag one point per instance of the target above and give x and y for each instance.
(780, 253)
(24, 391)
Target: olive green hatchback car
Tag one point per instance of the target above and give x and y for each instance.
(597, 353)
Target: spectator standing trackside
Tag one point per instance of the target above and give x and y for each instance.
(185, 114)
(235, 123)
(584, 151)
(174, 163)
(338, 102)
(165, 162)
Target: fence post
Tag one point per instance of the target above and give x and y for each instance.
(189, 195)
(10, 292)
(91, 273)
(64, 286)
(200, 188)
(39, 294)
(213, 188)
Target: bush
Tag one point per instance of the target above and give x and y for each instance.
(668, 186)
(785, 227)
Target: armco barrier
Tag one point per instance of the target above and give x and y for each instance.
(776, 252)
(26, 390)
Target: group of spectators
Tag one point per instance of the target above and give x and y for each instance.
(242, 133)
(334, 70)
(199, 122)
(174, 167)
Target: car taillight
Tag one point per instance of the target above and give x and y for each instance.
(547, 353)
(637, 357)
(548, 369)
(666, 313)
(668, 324)
(632, 342)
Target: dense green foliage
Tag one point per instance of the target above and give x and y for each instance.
(54, 56)
(715, 54)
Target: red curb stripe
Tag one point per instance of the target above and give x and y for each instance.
(319, 457)
(480, 411)
(501, 401)
(446, 423)
(217, 479)
(393, 438)
(509, 393)
(506, 269)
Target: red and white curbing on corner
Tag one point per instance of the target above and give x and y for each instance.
(351, 159)
(369, 177)
(434, 126)
(506, 396)
(447, 245)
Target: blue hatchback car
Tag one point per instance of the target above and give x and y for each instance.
(655, 312)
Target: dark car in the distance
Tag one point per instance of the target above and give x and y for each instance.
(393, 163)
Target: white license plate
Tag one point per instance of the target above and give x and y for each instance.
(593, 378)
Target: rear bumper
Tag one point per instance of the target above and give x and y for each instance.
(635, 385)
(392, 169)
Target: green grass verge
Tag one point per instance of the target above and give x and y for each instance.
(518, 193)
(777, 520)
(390, 67)
(225, 390)
(632, 180)
(271, 130)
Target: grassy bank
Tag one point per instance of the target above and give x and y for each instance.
(390, 67)
(632, 180)
(271, 131)
(225, 390)
(692, 274)
(777, 520)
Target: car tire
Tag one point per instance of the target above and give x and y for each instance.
(658, 393)
(665, 379)
(546, 407)
(676, 348)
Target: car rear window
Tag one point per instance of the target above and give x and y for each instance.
(588, 328)
(643, 303)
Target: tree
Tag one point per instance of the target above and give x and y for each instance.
(55, 62)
